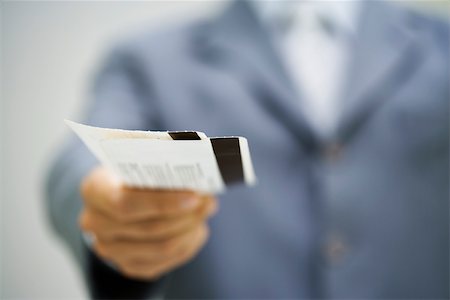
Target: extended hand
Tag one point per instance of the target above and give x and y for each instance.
(146, 233)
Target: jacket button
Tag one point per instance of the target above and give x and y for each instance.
(335, 249)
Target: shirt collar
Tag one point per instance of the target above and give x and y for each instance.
(282, 14)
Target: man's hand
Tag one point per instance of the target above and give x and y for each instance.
(146, 233)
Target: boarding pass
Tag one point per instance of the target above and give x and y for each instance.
(170, 159)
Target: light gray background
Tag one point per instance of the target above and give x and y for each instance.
(49, 50)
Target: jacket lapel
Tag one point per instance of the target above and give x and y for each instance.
(385, 55)
(237, 43)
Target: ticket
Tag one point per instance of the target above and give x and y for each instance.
(170, 159)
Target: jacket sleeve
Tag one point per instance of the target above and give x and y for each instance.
(120, 99)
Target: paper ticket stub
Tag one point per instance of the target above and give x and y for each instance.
(170, 159)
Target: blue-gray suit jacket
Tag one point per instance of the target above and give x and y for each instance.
(364, 214)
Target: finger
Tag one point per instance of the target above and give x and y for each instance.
(152, 270)
(92, 220)
(140, 204)
(108, 229)
(144, 204)
(99, 189)
(211, 207)
(124, 249)
(102, 190)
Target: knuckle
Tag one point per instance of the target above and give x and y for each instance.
(167, 247)
(121, 205)
(83, 221)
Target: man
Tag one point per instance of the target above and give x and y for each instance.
(346, 111)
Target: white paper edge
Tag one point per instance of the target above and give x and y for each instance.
(249, 172)
(92, 145)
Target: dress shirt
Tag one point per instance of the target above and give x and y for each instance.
(313, 39)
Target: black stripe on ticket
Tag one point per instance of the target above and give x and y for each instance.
(227, 152)
(184, 135)
(228, 156)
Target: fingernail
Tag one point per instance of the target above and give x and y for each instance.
(190, 202)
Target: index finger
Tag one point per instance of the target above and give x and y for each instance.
(138, 204)
(103, 191)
